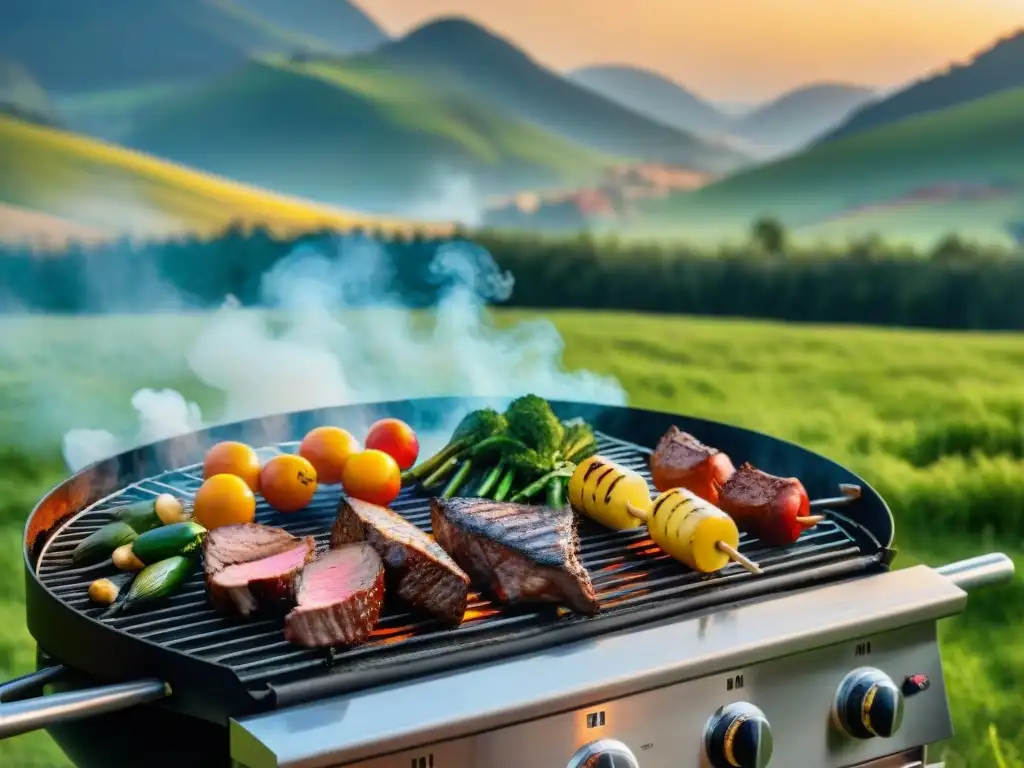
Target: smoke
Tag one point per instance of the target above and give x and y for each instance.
(450, 197)
(335, 330)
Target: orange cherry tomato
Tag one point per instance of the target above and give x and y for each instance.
(288, 482)
(328, 449)
(231, 458)
(223, 500)
(372, 476)
(397, 439)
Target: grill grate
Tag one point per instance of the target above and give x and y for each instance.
(628, 571)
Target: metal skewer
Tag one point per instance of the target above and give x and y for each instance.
(850, 493)
(733, 554)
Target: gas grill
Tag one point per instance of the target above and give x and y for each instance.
(826, 659)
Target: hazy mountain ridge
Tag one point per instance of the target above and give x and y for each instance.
(997, 68)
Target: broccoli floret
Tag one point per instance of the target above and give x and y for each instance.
(474, 427)
(579, 441)
(531, 420)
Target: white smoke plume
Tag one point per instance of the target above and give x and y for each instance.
(335, 331)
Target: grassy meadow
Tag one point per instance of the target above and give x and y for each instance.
(935, 421)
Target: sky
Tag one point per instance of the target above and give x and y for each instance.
(736, 50)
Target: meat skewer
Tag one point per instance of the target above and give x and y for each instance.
(775, 509)
(687, 527)
(681, 460)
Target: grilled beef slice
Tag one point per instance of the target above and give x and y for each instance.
(417, 570)
(520, 553)
(339, 597)
(268, 582)
(249, 565)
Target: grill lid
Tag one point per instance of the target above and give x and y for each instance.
(221, 667)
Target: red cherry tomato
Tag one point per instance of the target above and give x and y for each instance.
(395, 438)
(372, 476)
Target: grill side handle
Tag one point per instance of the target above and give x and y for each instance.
(982, 571)
(18, 716)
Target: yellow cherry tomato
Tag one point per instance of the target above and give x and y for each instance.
(328, 450)
(288, 482)
(232, 458)
(372, 476)
(224, 500)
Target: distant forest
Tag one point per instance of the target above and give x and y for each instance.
(955, 286)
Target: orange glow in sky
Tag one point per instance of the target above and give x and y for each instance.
(736, 50)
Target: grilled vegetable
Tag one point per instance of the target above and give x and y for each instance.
(161, 543)
(125, 560)
(156, 581)
(475, 426)
(100, 545)
(604, 490)
(152, 513)
(684, 526)
(692, 530)
(106, 591)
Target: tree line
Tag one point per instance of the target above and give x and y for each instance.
(955, 285)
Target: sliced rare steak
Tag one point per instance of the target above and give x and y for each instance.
(417, 569)
(243, 543)
(339, 598)
(266, 583)
(520, 553)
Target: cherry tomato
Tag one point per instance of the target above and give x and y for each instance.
(372, 476)
(288, 482)
(327, 449)
(395, 438)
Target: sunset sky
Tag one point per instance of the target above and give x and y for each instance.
(736, 50)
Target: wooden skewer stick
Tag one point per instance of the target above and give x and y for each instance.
(734, 554)
(850, 493)
(809, 521)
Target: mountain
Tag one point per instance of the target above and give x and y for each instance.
(461, 56)
(354, 134)
(95, 45)
(960, 169)
(648, 93)
(796, 118)
(342, 25)
(993, 70)
(102, 186)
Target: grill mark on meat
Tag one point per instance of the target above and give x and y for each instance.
(680, 451)
(519, 553)
(417, 569)
(750, 486)
(339, 598)
(266, 583)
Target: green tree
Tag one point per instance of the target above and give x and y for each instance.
(770, 235)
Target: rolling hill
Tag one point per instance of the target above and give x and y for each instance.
(960, 170)
(355, 134)
(648, 93)
(342, 25)
(995, 69)
(463, 57)
(21, 95)
(796, 118)
(72, 46)
(102, 186)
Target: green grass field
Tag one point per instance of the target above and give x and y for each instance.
(977, 142)
(934, 421)
(91, 182)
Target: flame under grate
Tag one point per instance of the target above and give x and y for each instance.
(627, 569)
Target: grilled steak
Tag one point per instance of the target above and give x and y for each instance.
(235, 544)
(681, 460)
(417, 569)
(774, 509)
(268, 582)
(520, 553)
(338, 598)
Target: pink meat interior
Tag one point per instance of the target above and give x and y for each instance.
(267, 568)
(336, 575)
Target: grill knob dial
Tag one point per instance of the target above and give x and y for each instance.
(606, 753)
(738, 736)
(868, 704)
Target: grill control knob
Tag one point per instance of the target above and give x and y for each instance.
(606, 753)
(738, 736)
(868, 704)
